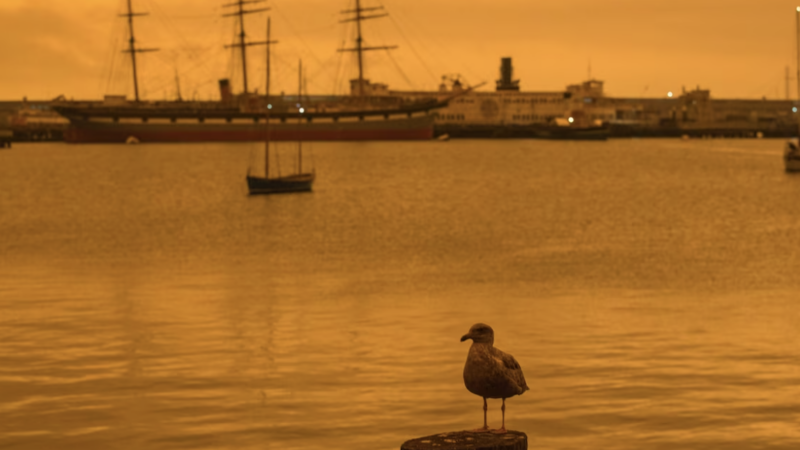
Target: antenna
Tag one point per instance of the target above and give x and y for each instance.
(242, 44)
(178, 85)
(132, 46)
(359, 17)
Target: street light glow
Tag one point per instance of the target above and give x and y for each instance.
(571, 120)
(669, 94)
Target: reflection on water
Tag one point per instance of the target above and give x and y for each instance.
(648, 288)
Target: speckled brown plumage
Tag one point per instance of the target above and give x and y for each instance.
(489, 372)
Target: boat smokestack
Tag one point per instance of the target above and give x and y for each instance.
(225, 94)
(505, 83)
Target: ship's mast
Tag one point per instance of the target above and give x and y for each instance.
(132, 46)
(242, 44)
(359, 40)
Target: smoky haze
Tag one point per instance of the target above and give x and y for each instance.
(738, 49)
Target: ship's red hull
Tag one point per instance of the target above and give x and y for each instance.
(92, 131)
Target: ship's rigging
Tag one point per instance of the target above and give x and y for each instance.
(243, 44)
(238, 9)
(360, 48)
(132, 46)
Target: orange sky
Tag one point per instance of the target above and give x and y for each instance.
(736, 48)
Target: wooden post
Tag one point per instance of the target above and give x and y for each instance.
(467, 440)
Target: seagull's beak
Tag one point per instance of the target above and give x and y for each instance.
(465, 337)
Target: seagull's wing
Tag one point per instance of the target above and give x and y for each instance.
(513, 369)
(510, 362)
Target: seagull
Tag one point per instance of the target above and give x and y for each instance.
(490, 372)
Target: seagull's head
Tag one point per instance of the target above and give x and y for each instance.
(480, 333)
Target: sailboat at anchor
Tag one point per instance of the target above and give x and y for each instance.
(297, 182)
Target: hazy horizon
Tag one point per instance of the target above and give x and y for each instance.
(75, 48)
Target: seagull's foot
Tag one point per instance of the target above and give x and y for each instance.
(480, 430)
(499, 431)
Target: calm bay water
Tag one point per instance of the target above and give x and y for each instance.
(650, 289)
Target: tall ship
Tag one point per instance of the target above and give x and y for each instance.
(241, 117)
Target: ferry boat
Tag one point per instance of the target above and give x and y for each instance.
(508, 112)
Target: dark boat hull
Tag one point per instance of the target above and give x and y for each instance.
(415, 128)
(149, 123)
(292, 183)
(499, 131)
(89, 131)
(599, 133)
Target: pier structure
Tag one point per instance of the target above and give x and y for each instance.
(30, 121)
(468, 440)
(695, 113)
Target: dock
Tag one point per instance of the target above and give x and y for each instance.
(468, 440)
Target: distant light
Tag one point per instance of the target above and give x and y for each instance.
(798, 9)
(269, 106)
(669, 94)
(794, 109)
(302, 110)
(571, 120)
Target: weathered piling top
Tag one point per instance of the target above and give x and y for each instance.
(468, 440)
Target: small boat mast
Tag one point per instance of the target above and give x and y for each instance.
(268, 107)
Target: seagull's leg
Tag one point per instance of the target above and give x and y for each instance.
(485, 427)
(485, 408)
(502, 429)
